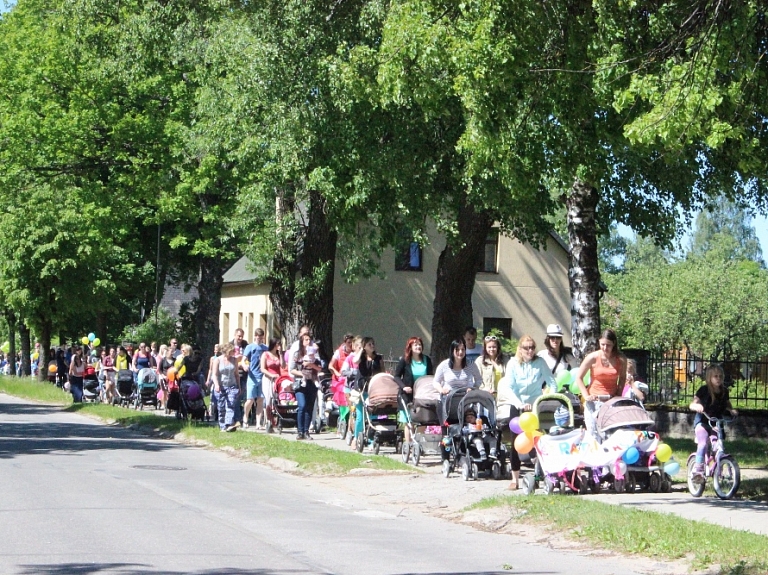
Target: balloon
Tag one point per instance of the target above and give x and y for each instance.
(514, 426)
(672, 467)
(52, 368)
(622, 467)
(564, 380)
(85, 340)
(575, 389)
(91, 336)
(523, 443)
(631, 455)
(35, 356)
(587, 378)
(5, 347)
(663, 452)
(97, 342)
(529, 422)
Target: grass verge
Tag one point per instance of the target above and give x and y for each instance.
(647, 533)
(311, 458)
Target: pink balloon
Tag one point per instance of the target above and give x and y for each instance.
(514, 425)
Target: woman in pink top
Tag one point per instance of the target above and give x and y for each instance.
(608, 371)
(272, 367)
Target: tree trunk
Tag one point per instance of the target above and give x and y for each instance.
(10, 317)
(583, 270)
(302, 273)
(456, 270)
(26, 367)
(209, 304)
(101, 328)
(46, 328)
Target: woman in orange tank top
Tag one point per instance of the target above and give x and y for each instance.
(608, 368)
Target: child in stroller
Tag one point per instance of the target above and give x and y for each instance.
(477, 433)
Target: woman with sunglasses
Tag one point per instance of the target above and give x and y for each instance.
(558, 357)
(525, 378)
(491, 364)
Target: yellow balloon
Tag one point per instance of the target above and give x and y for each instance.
(529, 422)
(663, 452)
(85, 340)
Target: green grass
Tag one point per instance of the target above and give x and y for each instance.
(647, 533)
(310, 457)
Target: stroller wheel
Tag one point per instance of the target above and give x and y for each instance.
(619, 485)
(582, 482)
(549, 486)
(359, 442)
(595, 487)
(529, 483)
(631, 485)
(268, 426)
(496, 470)
(466, 471)
(405, 451)
(654, 482)
(446, 468)
(416, 453)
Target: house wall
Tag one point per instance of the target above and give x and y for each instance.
(531, 289)
(244, 305)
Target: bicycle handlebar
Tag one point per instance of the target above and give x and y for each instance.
(715, 420)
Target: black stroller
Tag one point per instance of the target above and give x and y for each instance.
(125, 388)
(475, 447)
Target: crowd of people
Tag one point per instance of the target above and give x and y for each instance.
(240, 377)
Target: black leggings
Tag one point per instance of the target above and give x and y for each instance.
(514, 457)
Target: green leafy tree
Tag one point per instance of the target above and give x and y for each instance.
(726, 218)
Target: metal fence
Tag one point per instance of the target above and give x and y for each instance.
(674, 377)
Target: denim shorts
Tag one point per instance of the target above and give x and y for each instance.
(254, 390)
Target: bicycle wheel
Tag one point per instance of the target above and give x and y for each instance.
(694, 488)
(727, 478)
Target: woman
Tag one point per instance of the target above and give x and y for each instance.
(272, 367)
(76, 373)
(141, 360)
(369, 363)
(413, 365)
(525, 378)
(189, 363)
(122, 361)
(338, 381)
(608, 372)
(454, 372)
(214, 399)
(491, 364)
(108, 374)
(306, 367)
(226, 384)
(558, 357)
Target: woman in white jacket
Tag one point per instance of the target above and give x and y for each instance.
(525, 378)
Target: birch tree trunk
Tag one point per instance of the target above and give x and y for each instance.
(583, 270)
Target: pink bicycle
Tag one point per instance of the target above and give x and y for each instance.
(718, 465)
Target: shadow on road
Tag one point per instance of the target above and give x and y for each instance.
(41, 438)
(141, 569)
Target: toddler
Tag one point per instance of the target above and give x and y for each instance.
(476, 430)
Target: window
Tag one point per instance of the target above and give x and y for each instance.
(408, 255)
(502, 324)
(490, 253)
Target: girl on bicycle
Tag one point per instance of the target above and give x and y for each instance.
(711, 400)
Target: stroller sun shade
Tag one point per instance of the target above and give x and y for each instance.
(478, 398)
(620, 412)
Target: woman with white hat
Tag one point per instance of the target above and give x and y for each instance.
(558, 357)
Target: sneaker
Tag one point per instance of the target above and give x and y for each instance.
(697, 474)
(308, 436)
(300, 436)
(493, 453)
(230, 428)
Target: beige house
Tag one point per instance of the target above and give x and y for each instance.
(518, 290)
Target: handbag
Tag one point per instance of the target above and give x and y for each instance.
(296, 384)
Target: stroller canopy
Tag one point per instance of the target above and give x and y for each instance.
(383, 389)
(478, 398)
(424, 389)
(620, 412)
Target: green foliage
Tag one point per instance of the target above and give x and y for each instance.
(161, 331)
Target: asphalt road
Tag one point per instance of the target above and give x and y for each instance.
(80, 497)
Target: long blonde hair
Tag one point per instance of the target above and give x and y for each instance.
(713, 391)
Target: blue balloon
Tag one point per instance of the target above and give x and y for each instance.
(672, 468)
(91, 336)
(631, 455)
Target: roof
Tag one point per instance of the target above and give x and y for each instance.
(242, 271)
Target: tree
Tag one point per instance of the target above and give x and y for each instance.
(725, 217)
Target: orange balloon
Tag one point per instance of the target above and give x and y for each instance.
(523, 443)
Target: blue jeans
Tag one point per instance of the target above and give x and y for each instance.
(305, 400)
(76, 388)
(229, 400)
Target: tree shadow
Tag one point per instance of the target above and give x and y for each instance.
(143, 569)
(41, 438)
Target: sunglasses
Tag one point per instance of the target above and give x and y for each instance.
(491, 338)
(529, 347)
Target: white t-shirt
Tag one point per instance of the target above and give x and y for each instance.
(455, 379)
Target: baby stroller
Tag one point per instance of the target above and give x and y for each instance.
(559, 449)
(282, 412)
(380, 409)
(473, 448)
(146, 389)
(623, 423)
(191, 402)
(91, 390)
(423, 414)
(125, 387)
